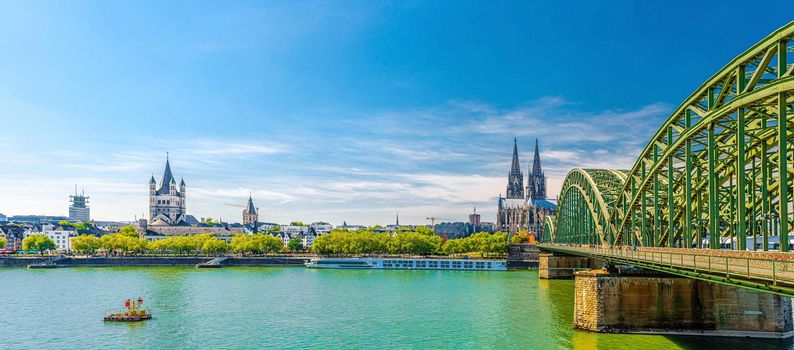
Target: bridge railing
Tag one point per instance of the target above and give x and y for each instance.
(767, 268)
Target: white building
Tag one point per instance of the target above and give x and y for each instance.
(321, 228)
(59, 235)
(3, 217)
(294, 230)
(345, 226)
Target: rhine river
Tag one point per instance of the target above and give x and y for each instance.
(297, 308)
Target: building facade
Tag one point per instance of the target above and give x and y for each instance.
(524, 211)
(539, 205)
(60, 235)
(250, 213)
(474, 218)
(512, 209)
(78, 210)
(167, 202)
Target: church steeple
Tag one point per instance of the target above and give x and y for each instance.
(167, 176)
(515, 180)
(398, 220)
(536, 161)
(536, 186)
(515, 167)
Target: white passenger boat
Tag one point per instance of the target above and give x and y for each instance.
(408, 264)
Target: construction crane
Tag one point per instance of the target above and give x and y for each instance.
(433, 222)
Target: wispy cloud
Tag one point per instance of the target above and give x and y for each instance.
(436, 161)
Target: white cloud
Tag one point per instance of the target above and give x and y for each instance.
(439, 161)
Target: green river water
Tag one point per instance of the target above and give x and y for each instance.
(297, 308)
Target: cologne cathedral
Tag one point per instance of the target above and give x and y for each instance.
(523, 209)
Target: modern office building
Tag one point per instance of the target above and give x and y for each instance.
(78, 208)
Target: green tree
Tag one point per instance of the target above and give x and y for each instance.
(83, 226)
(38, 242)
(214, 246)
(128, 231)
(65, 223)
(243, 243)
(424, 230)
(85, 244)
(297, 223)
(210, 222)
(3, 242)
(268, 243)
(295, 244)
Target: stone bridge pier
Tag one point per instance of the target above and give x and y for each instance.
(561, 266)
(628, 300)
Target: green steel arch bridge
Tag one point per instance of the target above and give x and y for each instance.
(710, 196)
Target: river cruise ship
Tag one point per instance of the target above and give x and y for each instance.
(408, 264)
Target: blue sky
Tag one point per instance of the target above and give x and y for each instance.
(334, 110)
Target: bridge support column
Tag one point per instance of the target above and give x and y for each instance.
(552, 266)
(644, 302)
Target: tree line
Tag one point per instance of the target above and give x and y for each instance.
(343, 242)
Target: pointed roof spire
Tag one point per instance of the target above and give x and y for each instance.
(167, 175)
(536, 169)
(182, 182)
(398, 219)
(515, 167)
(250, 207)
(152, 181)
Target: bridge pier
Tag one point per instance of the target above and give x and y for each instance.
(559, 266)
(639, 301)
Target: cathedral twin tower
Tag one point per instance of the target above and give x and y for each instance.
(519, 212)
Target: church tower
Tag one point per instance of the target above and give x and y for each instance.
(536, 184)
(512, 209)
(515, 179)
(250, 213)
(167, 203)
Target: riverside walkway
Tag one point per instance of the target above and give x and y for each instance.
(771, 272)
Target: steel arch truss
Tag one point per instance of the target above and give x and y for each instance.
(584, 214)
(717, 174)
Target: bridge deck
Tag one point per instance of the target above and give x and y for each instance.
(771, 272)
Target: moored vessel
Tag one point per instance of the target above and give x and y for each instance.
(134, 313)
(408, 264)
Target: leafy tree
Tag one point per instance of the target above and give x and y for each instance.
(3, 242)
(516, 239)
(215, 245)
(65, 223)
(85, 244)
(128, 231)
(83, 226)
(424, 230)
(210, 222)
(38, 242)
(297, 223)
(276, 229)
(243, 243)
(295, 244)
(268, 243)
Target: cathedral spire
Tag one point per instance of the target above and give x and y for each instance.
(515, 180)
(398, 219)
(536, 161)
(515, 167)
(536, 186)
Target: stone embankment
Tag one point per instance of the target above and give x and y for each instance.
(523, 256)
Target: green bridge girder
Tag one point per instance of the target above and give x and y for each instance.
(712, 176)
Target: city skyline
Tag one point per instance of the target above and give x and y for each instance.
(350, 114)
